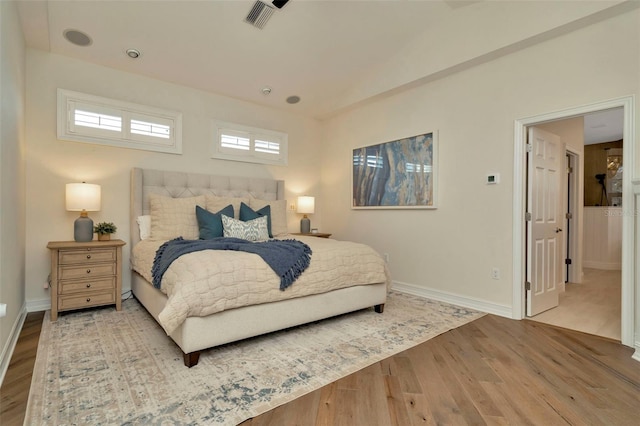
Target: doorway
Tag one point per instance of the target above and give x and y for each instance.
(591, 302)
(519, 209)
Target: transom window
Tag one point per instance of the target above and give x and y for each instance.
(97, 120)
(93, 119)
(150, 129)
(243, 143)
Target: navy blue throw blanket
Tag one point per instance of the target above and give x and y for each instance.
(287, 258)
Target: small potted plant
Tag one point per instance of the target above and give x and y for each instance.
(104, 230)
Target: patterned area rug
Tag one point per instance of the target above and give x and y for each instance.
(102, 367)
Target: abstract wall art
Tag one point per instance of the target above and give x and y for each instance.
(400, 174)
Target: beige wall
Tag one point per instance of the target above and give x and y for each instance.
(452, 249)
(12, 203)
(52, 163)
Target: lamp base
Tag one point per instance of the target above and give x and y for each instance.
(83, 229)
(305, 225)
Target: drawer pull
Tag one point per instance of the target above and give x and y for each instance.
(88, 299)
(88, 256)
(89, 285)
(88, 271)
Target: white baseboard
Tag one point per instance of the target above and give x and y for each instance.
(454, 299)
(636, 354)
(9, 347)
(38, 305)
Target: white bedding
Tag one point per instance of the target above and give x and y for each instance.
(205, 282)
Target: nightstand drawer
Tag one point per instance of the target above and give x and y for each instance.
(105, 284)
(90, 270)
(67, 257)
(86, 300)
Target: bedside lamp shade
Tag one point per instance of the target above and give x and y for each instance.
(306, 205)
(82, 197)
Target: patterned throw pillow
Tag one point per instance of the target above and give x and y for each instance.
(253, 230)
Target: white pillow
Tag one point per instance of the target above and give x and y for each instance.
(144, 226)
(174, 217)
(215, 203)
(278, 214)
(252, 230)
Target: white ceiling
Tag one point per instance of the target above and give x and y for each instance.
(333, 54)
(604, 126)
(313, 49)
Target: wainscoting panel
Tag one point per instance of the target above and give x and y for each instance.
(602, 241)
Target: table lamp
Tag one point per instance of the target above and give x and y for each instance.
(83, 197)
(306, 205)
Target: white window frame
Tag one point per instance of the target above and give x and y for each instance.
(250, 155)
(126, 111)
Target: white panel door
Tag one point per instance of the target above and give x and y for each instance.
(544, 242)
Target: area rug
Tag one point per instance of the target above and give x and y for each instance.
(102, 367)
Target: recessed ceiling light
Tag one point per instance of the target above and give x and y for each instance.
(77, 37)
(293, 99)
(133, 53)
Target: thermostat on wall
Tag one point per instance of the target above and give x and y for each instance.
(493, 178)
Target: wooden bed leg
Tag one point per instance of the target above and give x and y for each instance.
(191, 358)
(379, 308)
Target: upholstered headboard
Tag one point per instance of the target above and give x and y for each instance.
(180, 185)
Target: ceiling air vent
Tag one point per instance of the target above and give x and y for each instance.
(259, 14)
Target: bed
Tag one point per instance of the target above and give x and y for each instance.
(301, 303)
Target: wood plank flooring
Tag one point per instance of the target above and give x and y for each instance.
(592, 306)
(492, 371)
(15, 386)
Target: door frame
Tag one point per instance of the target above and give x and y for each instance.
(628, 221)
(572, 238)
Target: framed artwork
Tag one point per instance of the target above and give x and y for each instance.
(400, 174)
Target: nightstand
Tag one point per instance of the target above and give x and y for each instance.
(84, 275)
(313, 234)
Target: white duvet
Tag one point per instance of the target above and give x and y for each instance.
(205, 282)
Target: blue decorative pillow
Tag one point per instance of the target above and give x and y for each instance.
(247, 213)
(253, 230)
(210, 224)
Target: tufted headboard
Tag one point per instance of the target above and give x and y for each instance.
(180, 185)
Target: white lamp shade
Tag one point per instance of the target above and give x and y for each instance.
(82, 196)
(306, 204)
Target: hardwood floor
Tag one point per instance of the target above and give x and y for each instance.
(593, 306)
(491, 371)
(15, 387)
